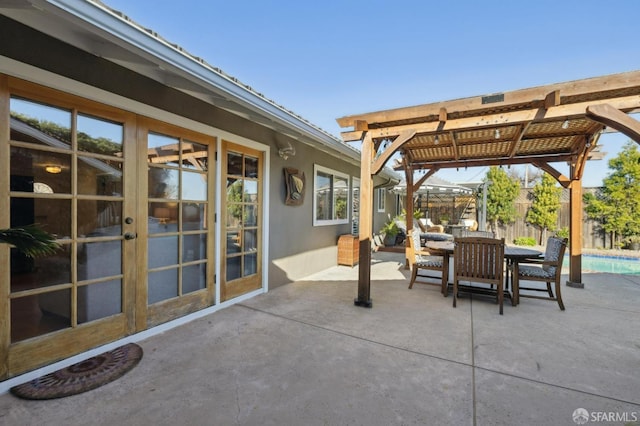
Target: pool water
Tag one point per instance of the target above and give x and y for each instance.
(611, 264)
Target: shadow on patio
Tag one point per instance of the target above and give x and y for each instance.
(304, 354)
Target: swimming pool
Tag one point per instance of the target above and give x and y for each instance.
(611, 264)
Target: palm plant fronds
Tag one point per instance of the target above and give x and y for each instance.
(30, 240)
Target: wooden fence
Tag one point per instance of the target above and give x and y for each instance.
(592, 236)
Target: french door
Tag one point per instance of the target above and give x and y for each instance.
(129, 200)
(242, 204)
(177, 243)
(71, 170)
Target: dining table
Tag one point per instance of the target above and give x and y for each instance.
(511, 254)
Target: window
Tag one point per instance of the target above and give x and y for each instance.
(355, 206)
(331, 197)
(382, 193)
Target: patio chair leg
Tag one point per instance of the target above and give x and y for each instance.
(549, 289)
(455, 292)
(445, 285)
(414, 275)
(559, 296)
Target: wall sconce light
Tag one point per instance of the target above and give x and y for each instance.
(497, 134)
(286, 151)
(436, 140)
(565, 124)
(53, 169)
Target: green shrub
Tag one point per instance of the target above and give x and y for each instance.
(563, 232)
(525, 241)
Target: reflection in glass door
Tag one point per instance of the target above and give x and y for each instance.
(178, 228)
(67, 175)
(242, 210)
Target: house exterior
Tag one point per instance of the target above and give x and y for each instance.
(174, 189)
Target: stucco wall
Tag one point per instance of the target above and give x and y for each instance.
(296, 247)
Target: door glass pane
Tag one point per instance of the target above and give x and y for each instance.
(194, 278)
(44, 271)
(194, 247)
(99, 136)
(163, 285)
(40, 314)
(163, 251)
(54, 216)
(39, 123)
(250, 264)
(163, 183)
(99, 218)
(194, 186)
(251, 167)
(99, 177)
(162, 149)
(234, 164)
(250, 240)
(50, 168)
(234, 242)
(250, 215)
(194, 156)
(99, 300)
(100, 259)
(193, 216)
(233, 268)
(163, 217)
(250, 191)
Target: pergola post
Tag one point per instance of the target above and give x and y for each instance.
(575, 234)
(366, 224)
(409, 211)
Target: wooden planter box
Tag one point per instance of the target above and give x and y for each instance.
(348, 250)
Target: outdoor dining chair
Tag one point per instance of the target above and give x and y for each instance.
(546, 270)
(424, 260)
(479, 260)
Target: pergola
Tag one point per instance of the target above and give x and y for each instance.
(545, 126)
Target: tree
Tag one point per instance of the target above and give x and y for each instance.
(501, 194)
(546, 204)
(617, 205)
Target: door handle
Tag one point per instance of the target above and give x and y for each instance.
(129, 236)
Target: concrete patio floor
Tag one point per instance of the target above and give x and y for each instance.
(303, 354)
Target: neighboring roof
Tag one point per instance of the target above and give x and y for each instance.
(92, 26)
(543, 124)
(434, 185)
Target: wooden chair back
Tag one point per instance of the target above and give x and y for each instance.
(479, 259)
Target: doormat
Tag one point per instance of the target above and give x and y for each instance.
(83, 376)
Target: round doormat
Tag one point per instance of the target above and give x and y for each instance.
(83, 376)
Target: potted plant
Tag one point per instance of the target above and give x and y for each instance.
(30, 240)
(390, 231)
(444, 219)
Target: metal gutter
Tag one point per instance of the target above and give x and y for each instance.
(98, 15)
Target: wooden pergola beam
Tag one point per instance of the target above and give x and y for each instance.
(512, 118)
(392, 149)
(608, 114)
(535, 95)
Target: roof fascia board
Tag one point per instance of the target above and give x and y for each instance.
(103, 18)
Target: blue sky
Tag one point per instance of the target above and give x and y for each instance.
(326, 59)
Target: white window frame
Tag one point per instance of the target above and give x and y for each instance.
(381, 202)
(334, 173)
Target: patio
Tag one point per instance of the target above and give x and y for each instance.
(304, 354)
